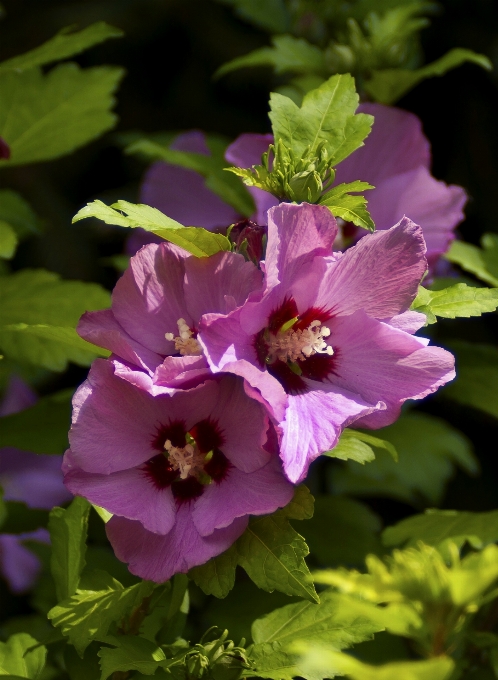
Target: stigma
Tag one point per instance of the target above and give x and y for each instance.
(185, 342)
(297, 345)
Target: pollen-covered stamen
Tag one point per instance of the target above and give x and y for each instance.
(188, 460)
(185, 342)
(297, 345)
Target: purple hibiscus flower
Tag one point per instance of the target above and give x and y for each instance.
(31, 479)
(156, 308)
(330, 342)
(181, 473)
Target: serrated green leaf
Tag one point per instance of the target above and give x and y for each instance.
(460, 300)
(437, 526)
(65, 44)
(326, 115)
(272, 554)
(212, 167)
(16, 660)
(39, 316)
(88, 614)
(18, 214)
(345, 188)
(482, 262)
(428, 449)
(131, 653)
(477, 371)
(357, 446)
(272, 15)
(301, 505)
(217, 577)
(388, 85)
(197, 241)
(349, 208)
(42, 428)
(288, 55)
(8, 241)
(47, 116)
(68, 532)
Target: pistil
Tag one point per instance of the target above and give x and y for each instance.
(289, 345)
(185, 342)
(186, 459)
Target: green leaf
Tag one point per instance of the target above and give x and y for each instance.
(65, 44)
(212, 167)
(42, 428)
(435, 527)
(18, 214)
(350, 209)
(47, 116)
(16, 660)
(357, 446)
(197, 241)
(88, 614)
(326, 115)
(8, 241)
(288, 55)
(388, 85)
(168, 609)
(217, 577)
(21, 519)
(39, 316)
(351, 528)
(477, 371)
(342, 189)
(68, 531)
(455, 301)
(271, 15)
(483, 263)
(428, 449)
(132, 653)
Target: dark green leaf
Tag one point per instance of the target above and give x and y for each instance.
(41, 428)
(197, 241)
(21, 519)
(217, 577)
(272, 15)
(18, 214)
(477, 377)
(62, 110)
(68, 532)
(65, 44)
(132, 653)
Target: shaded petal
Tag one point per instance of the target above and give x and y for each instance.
(18, 395)
(296, 234)
(157, 558)
(313, 423)
(239, 494)
(101, 329)
(18, 565)
(184, 372)
(247, 149)
(148, 299)
(128, 493)
(210, 280)
(380, 274)
(410, 322)
(396, 144)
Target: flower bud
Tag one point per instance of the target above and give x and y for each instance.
(306, 186)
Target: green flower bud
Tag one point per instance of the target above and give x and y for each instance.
(306, 186)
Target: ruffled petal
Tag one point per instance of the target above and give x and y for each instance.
(240, 494)
(380, 275)
(128, 493)
(158, 558)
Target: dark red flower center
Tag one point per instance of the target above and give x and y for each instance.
(293, 346)
(188, 461)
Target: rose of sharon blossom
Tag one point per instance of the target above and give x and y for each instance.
(329, 343)
(156, 308)
(181, 473)
(31, 479)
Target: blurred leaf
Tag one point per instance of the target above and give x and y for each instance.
(217, 577)
(455, 301)
(212, 167)
(288, 54)
(65, 44)
(39, 316)
(351, 528)
(482, 262)
(21, 519)
(168, 609)
(272, 15)
(357, 446)
(68, 532)
(195, 240)
(477, 381)
(8, 241)
(428, 449)
(42, 428)
(437, 526)
(88, 614)
(387, 86)
(327, 115)
(85, 667)
(47, 116)
(16, 660)
(18, 214)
